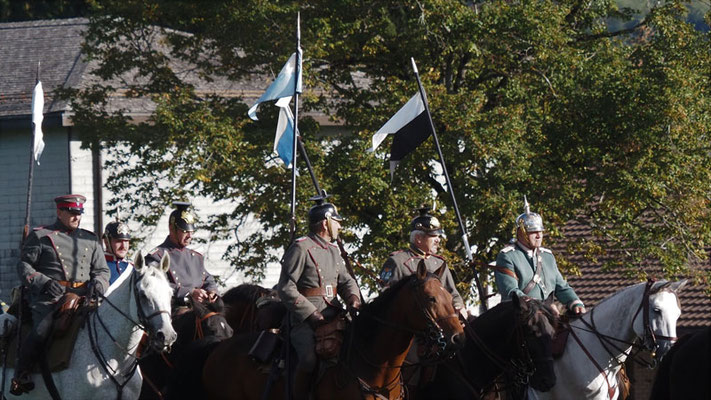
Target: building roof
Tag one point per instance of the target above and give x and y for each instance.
(594, 283)
(56, 44)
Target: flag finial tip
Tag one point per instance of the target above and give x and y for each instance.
(414, 66)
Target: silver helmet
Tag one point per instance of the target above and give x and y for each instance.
(528, 221)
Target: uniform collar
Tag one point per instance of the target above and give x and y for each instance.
(169, 244)
(112, 257)
(59, 226)
(529, 252)
(319, 240)
(414, 249)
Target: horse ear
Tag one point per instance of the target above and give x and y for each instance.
(518, 302)
(677, 286)
(139, 261)
(440, 271)
(421, 270)
(549, 301)
(165, 262)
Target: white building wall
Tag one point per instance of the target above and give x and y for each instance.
(211, 250)
(51, 179)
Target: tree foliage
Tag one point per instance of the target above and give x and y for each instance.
(537, 98)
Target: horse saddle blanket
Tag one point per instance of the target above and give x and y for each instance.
(61, 344)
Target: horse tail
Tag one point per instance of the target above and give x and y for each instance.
(186, 377)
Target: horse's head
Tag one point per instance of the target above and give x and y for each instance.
(433, 314)
(536, 321)
(655, 319)
(153, 295)
(210, 320)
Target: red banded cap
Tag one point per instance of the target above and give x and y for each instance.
(71, 202)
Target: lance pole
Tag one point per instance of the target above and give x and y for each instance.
(462, 228)
(28, 204)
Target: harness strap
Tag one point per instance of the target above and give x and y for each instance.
(610, 389)
(536, 275)
(199, 334)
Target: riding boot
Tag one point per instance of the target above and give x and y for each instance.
(301, 385)
(30, 352)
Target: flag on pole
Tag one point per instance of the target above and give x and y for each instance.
(283, 85)
(37, 117)
(409, 126)
(283, 141)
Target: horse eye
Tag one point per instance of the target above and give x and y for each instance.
(657, 310)
(432, 299)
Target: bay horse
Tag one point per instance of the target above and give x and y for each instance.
(512, 339)
(103, 363)
(252, 308)
(685, 370)
(203, 322)
(372, 355)
(641, 316)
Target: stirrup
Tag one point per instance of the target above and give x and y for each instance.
(21, 385)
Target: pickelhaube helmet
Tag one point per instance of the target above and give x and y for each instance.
(529, 221)
(182, 218)
(426, 223)
(322, 210)
(117, 230)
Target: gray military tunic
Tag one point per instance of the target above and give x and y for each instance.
(54, 252)
(187, 270)
(404, 263)
(516, 266)
(312, 273)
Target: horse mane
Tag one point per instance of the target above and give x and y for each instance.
(243, 293)
(538, 316)
(376, 306)
(657, 287)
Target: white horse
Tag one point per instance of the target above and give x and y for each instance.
(588, 368)
(103, 363)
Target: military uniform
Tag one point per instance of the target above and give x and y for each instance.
(65, 259)
(53, 252)
(516, 266)
(116, 266)
(312, 273)
(187, 270)
(404, 263)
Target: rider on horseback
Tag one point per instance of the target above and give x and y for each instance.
(312, 273)
(527, 269)
(425, 237)
(56, 259)
(187, 274)
(116, 242)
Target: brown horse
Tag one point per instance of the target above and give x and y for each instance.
(204, 323)
(374, 349)
(252, 308)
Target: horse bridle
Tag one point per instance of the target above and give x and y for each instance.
(141, 324)
(434, 337)
(649, 338)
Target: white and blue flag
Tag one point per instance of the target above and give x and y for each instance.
(284, 139)
(283, 85)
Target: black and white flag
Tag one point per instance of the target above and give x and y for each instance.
(410, 127)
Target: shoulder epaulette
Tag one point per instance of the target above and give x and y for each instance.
(396, 252)
(37, 228)
(90, 233)
(301, 239)
(507, 249)
(543, 249)
(195, 252)
(438, 256)
(155, 250)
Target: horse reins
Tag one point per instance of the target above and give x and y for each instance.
(141, 324)
(607, 340)
(199, 334)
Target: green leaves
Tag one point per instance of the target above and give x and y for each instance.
(537, 98)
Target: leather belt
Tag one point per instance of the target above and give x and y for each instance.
(72, 285)
(317, 291)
